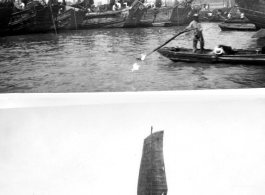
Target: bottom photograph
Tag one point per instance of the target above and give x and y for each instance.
(146, 143)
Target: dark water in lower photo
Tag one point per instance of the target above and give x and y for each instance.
(101, 60)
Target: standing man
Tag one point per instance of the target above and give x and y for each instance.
(197, 33)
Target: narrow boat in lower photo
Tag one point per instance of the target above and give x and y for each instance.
(237, 27)
(176, 15)
(223, 54)
(34, 18)
(6, 8)
(70, 19)
(152, 175)
(127, 17)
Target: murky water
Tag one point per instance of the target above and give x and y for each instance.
(102, 60)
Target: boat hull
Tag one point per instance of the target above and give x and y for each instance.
(253, 10)
(251, 57)
(237, 27)
(36, 18)
(71, 19)
(126, 18)
(167, 16)
(152, 176)
(6, 9)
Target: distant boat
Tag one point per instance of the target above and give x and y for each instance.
(34, 18)
(127, 17)
(6, 8)
(236, 56)
(70, 19)
(253, 10)
(176, 15)
(238, 27)
(152, 175)
(217, 15)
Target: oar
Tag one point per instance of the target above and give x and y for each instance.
(144, 56)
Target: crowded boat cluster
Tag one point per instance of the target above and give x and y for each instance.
(33, 16)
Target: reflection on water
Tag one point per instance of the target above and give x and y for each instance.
(102, 60)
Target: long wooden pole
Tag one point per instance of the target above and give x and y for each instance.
(53, 20)
(144, 56)
(75, 20)
(178, 14)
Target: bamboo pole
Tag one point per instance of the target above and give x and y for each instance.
(178, 14)
(75, 20)
(53, 20)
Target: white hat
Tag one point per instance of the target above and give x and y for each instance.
(218, 50)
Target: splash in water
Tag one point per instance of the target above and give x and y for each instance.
(135, 67)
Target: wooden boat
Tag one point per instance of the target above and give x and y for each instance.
(237, 26)
(218, 15)
(253, 10)
(176, 15)
(128, 17)
(208, 56)
(35, 18)
(70, 19)
(245, 21)
(6, 8)
(152, 175)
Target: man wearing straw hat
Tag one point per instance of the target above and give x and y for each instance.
(195, 24)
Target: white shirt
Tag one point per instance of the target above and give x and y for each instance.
(195, 24)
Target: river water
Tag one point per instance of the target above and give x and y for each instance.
(101, 60)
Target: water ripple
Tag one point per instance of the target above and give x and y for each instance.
(102, 59)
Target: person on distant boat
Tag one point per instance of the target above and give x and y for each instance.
(158, 3)
(22, 5)
(229, 16)
(116, 6)
(242, 16)
(198, 36)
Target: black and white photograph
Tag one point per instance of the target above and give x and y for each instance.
(61, 46)
(135, 97)
(133, 143)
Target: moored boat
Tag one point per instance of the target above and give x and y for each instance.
(245, 21)
(127, 17)
(216, 15)
(69, 19)
(6, 7)
(253, 10)
(176, 15)
(152, 175)
(35, 18)
(239, 56)
(237, 26)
